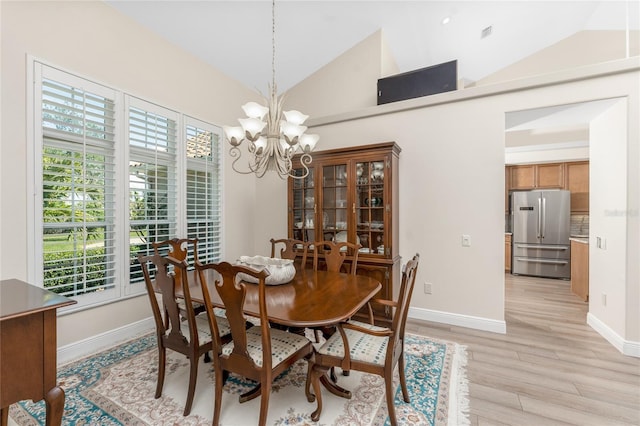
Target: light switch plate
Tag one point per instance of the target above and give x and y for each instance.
(466, 240)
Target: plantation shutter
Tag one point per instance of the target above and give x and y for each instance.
(78, 181)
(203, 188)
(152, 132)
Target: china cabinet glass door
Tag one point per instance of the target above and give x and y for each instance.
(304, 207)
(370, 207)
(335, 223)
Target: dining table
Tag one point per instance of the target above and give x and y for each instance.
(311, 299)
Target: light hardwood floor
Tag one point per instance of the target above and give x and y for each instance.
(550, 368)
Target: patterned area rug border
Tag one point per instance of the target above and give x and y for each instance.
(435, 372)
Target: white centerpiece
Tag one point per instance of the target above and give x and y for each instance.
(281, 271)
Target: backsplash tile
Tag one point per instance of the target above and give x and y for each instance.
(579, 224)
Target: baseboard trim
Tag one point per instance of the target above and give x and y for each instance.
(467, 321)
(626, 347)
(99, 342)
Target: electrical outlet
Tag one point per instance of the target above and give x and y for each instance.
(427, 288)
(466, 240)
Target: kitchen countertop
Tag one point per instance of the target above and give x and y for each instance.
(584, 239)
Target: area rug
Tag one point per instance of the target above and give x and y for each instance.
(116, 387)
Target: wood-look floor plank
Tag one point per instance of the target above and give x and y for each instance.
(549, 368)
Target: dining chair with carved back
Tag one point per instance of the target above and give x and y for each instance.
(180, 249)
(289, 248)
(177, 326)
(335, 253)
(260, 353)
(369, 348)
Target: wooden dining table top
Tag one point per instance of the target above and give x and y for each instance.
(311, 299)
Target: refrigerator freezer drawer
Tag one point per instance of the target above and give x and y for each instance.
(541, 250)
(541, 267)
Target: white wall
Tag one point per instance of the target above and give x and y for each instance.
(580, 49)
(348, 83)
(608, 211)
(97, 42)
(452, 182)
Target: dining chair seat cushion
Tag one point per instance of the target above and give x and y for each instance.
(204, 332)
(182, 307)
(283, 345)
(362, 347)
(367, 325)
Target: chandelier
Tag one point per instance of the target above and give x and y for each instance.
(271, 143)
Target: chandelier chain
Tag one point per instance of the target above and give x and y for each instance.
(273, 47)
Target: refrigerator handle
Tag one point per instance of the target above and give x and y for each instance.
(544, 216)
(539, 217)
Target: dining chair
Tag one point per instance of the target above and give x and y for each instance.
(178, 249)
(290, 248)
(179, 329)
(369, 348)
(259, 353)
(335, 253)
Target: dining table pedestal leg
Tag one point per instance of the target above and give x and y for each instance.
(320, 375)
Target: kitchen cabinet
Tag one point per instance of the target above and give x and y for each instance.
(580, 268)
(537, 176)
(577, 181)
(573, 176)
(507, 252)
(351, 194)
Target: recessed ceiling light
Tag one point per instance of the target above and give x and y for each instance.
(446, 20)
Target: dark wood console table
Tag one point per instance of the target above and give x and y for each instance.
(28, 346)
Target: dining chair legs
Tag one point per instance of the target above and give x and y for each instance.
(403, 382)
(217, 400)
(389, 395)
(193, 377)
(162, 355)
(264, 407)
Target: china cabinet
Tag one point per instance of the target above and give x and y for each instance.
(351, 194)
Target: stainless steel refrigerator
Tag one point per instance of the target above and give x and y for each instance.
(540, 227)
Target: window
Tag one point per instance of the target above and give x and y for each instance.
(112, 174)
(153, 178)
(203, 189)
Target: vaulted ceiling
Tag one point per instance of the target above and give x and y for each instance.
(236, 36)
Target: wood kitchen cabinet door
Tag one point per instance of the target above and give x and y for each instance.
(523, 177)
(549, 176)
(577, 181)
(537, 176)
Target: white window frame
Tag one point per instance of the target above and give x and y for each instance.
(36, 71)
(216, 164)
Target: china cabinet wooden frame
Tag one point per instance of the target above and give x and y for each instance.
(351, 194)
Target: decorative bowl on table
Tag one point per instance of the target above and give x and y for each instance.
(281, 271)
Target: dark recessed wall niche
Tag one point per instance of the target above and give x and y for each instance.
(422, 82)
